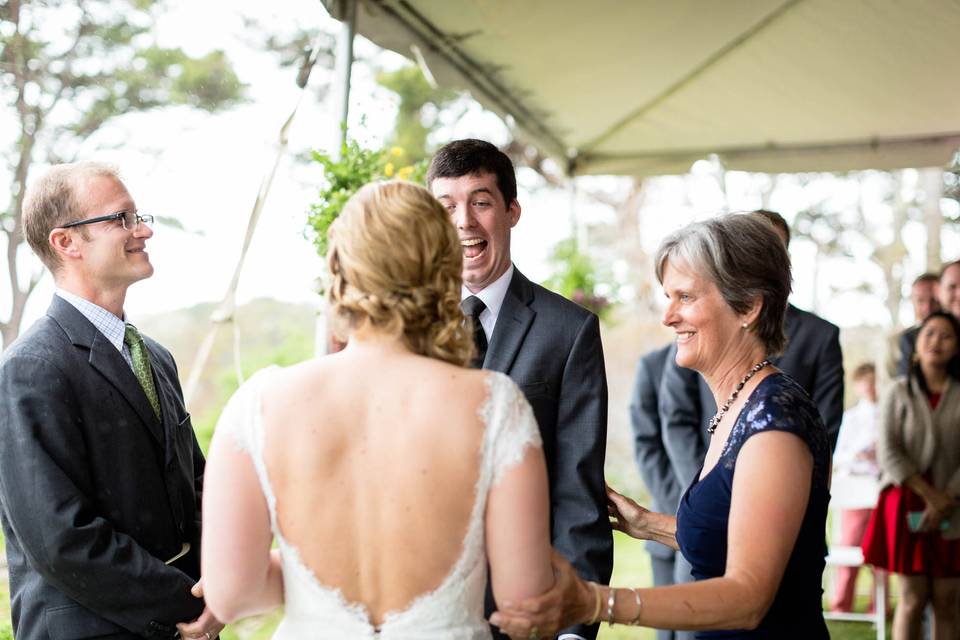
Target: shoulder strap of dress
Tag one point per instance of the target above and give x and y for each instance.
(242, 421)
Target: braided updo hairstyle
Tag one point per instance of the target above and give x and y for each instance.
(396, 261)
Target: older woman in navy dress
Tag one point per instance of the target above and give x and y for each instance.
(752, 522)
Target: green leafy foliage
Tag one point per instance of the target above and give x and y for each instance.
(575, 277)
(345, 176)
(418, 111)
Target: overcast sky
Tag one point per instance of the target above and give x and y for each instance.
(206, 170)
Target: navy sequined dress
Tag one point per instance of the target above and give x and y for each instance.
(777, 404)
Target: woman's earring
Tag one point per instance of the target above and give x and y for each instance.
(744, 325)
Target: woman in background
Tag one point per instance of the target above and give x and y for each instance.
(915, 529)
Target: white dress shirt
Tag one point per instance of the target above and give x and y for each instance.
(112, 327)
(492, 297)
(858, 435)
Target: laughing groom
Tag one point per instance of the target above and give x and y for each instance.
(100, 471)
(548, 345)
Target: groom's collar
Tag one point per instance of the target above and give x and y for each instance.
(493, 295)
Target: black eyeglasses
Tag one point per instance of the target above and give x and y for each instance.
(129, 220)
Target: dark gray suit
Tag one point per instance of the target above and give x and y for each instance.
(551, 348)
(812, 358)
(96, 493)
(669, 567)
(908, 344)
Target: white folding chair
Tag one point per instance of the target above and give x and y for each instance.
(856, 492)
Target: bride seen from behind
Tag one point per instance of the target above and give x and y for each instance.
(389, 474)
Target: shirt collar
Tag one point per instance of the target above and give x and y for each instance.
(105, 322)
(492, 296)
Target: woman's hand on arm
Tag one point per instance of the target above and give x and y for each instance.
(771, 489)
(641, 523)
(570, 601)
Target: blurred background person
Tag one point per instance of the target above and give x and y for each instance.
(915, 528)
(667, 564)
(855, 457)
(948, 300)
(924, 297)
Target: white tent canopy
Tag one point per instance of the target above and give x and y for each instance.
(642, 87)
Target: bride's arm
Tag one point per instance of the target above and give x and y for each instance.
(518, 530)
(241, 575)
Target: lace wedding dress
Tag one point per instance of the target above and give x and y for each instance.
(452, 611)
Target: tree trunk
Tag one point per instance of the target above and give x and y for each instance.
(931, 180)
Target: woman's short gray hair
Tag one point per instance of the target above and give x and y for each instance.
(745, 258)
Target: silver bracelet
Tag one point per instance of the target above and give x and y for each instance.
(610, 602)
(636, 618)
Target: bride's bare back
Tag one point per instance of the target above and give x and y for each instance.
(373, 458)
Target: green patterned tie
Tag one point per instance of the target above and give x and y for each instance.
(141, 366)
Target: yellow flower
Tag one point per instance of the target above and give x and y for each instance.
(388, 169)
(404, 173)
(396, 152)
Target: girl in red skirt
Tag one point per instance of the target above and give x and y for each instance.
(915, 529)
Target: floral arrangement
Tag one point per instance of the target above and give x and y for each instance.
(344, 176)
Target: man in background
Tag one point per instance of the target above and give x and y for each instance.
(948, 294)
(669, 566)
(924, 296)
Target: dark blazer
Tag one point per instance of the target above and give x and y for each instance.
(648, 445)
(908, 344)
(812, 358)
(96, 493)
(551, 348)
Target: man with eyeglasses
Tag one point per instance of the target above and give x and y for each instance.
(100, 471)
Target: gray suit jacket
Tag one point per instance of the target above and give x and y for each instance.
(812, 358)
(551, 348)
(95, 493)
(648, 445)
(908, 344)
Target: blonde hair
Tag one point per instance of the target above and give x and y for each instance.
(55, 199)
(396, 263)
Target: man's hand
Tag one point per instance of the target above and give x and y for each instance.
(206, 627)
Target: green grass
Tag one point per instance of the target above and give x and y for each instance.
(631, 568)
(6, 630)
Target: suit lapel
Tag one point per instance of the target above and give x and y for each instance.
(106, 360)
(513, 322)
(168, 410)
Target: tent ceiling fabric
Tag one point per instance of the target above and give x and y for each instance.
(644, 88)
